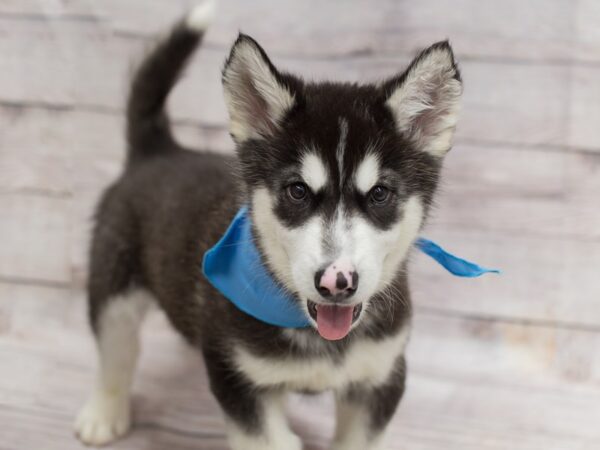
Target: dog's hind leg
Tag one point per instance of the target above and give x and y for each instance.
(106, 415)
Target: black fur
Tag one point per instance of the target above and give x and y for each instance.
(383, 400)
(148, 130)
(314, 123)
(155, 222)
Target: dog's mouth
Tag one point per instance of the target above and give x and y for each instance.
(334, 321)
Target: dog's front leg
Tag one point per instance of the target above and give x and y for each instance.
(271, 432)
(364, 412)
(254, 416)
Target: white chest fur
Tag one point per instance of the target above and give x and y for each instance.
(366, 361)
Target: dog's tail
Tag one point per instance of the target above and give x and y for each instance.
(148, 130)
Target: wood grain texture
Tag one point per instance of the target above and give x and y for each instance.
(542, 279)
(530, 387)
(89, 67)
(35, 234)
(502, 362)
(511, 189)
(540, 31)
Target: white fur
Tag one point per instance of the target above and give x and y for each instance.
(376, 254)
(366, 361)
(248, 82)
(276, 435)
(295, 254)
(341, 149)
(201, 16)
(106, 415)
(339, 233)
(313, 172)
(367, 174)
(104, 418)
(353, 431)
(427, 104)
(396, 241)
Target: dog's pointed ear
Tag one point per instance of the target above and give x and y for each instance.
(425, 99)
(256, 94)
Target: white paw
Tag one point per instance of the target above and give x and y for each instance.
(103, 419)
(293, 442)
(282, 440)
(357, 446)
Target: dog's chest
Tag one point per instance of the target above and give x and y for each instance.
(366, 361)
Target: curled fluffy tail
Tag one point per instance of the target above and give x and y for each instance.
(148, 130)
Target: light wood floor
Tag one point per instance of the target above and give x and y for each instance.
(497, 363)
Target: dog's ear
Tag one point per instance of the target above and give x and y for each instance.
(256, 94)
(425, 99)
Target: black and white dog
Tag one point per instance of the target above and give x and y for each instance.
(334, 174)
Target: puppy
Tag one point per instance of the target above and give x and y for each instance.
(338, 179)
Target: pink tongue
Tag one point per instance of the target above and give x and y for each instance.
(333, 321)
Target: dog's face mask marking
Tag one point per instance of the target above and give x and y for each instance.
(340, 176)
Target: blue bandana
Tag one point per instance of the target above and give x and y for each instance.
(234, 267)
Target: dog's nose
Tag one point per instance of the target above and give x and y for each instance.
(337, 281)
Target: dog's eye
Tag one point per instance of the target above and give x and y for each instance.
(379, 195)
(297, 191)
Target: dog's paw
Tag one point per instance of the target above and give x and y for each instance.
(293, 442)
(283, 440)
(289, 441)
(103, 419)
(357, 446)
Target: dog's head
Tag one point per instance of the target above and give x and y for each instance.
(340, 176)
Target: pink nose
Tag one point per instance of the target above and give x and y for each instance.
(337, 281)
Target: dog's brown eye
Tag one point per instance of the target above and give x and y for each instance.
(379, 195)
(297, 191)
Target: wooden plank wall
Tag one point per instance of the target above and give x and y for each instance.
(495, 363)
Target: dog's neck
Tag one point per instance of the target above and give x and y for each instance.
(235, 267)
